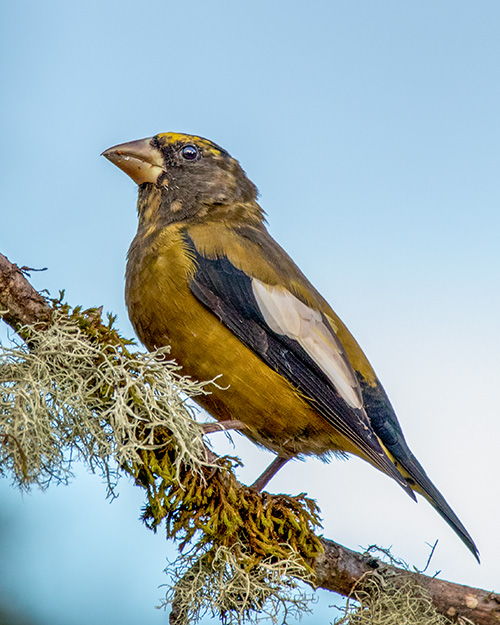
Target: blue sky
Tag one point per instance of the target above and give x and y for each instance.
(371, 129)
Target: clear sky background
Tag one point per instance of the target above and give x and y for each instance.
(371, 128)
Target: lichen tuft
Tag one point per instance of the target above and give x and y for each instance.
(75, 389)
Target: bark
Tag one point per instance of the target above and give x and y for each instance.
(339, 569)
(20, 304)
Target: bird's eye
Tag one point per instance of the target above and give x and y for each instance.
(190, 152)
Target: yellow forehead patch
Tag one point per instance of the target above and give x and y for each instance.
(176, 137)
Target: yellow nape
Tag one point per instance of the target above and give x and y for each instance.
(175, 137)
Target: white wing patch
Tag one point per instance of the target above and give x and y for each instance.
(285, 314)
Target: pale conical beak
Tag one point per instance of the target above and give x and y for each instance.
(139, 159)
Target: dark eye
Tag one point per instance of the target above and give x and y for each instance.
(190, 152)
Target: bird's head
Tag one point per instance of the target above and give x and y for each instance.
(192, 177)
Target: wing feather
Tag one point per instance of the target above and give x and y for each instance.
(286, 314)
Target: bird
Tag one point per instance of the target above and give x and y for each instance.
(205, 277)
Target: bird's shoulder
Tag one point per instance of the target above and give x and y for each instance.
(253, 251)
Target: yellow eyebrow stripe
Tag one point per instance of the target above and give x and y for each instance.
(174, 137)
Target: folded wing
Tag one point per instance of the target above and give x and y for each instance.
(295, 340)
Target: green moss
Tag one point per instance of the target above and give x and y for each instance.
(212, 506)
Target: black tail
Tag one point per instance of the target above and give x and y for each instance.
(418, 480)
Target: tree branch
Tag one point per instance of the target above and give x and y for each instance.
(339, 569)
(20, 304)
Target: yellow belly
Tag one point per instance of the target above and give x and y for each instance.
(164, 312)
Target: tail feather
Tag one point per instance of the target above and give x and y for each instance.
(418, 480)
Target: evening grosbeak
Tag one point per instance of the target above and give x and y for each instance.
(205, 277)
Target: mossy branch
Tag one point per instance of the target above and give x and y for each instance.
(76, 388)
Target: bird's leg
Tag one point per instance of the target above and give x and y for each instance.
(270, 472)
(220, 426)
